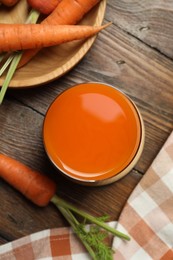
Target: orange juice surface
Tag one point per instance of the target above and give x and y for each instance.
(91, 131)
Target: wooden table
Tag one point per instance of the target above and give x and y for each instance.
(135, 54)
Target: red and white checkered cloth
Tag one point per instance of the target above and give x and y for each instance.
(51, 244)
(147, 217)
(148, 214)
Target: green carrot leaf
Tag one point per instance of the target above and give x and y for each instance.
(9, 76)
(60, 202)
(6, 64)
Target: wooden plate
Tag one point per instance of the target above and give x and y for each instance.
(53, 62)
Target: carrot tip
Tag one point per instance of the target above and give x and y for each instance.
(106, 25)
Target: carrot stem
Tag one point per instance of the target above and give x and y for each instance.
(57, 201)
(9, 76)
(33, 16)
(74, 224)
(14, 59)
(6, 64)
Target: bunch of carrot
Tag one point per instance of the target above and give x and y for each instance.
(67, 12)
(62, 12)
(55, 29)
(41, 190)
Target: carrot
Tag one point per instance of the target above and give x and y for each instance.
(9, 2)
(67, 12)
(32, 184)
(40, 190)
(44, 6)
(70, 11)
(24, 36)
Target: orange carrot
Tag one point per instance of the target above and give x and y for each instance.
(41, 190)
(32, 184)
(70, 11)
(67, 12)
(24, 36)
(44, 6)
(9, 2)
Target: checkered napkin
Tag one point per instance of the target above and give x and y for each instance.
(51, 244)
(148, 214)
(147, 217)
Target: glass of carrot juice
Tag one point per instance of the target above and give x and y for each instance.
(93, 133)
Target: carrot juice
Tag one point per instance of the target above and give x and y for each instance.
(92, 132)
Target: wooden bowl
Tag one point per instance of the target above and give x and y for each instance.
(53, 62)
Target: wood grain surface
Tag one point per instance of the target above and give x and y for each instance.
(134, 54)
